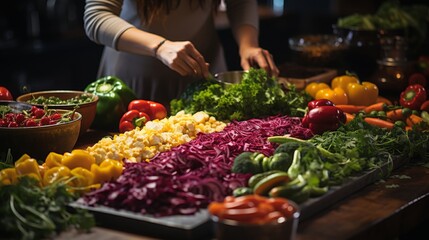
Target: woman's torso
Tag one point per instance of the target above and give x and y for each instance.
(148, 76)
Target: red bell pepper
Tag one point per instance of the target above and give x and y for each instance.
(154, 110)
(139, 105)
(413, 96)
(157, 110)
(321, 118)
(319, 102)
(132, 119)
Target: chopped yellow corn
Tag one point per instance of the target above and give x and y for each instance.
(156, 136)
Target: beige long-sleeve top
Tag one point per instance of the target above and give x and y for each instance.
(106, 20)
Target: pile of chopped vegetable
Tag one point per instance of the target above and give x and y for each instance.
(190, 176)
(257, 95)
(141, 144)
(302, 169)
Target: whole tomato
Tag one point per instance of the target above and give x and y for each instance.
(5, 94)
(157, 110)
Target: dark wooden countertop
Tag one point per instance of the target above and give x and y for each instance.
(388, 209)
(393, 208)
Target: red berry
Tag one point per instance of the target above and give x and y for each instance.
(38, 113)
(56, 116)
(3, 123)
(19, 118)
(33, 108)
(13, 124)
(44, 121)
(30, 122)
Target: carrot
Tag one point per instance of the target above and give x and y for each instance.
(349, 108)
(383, 99)
(380, 106)
(349, 117)
(399, 114)
(379, 122)
(425, 106)
(413, 119)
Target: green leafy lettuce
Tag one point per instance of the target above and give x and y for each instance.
(258, 95)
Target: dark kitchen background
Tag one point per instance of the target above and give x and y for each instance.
(43, 45)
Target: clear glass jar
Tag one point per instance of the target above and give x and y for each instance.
(394, 69)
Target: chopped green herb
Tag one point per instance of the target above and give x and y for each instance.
(29, 211)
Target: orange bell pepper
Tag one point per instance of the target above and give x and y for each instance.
(337, 95)
(364, 94)
(314, 87)
(107, 170)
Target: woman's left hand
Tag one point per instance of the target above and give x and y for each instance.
(258, 57)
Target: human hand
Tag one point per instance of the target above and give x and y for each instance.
(258, 57)
(184, 58)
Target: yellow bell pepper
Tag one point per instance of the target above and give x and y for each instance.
(82, 178)
(343, 81)
(28, 167)
(8, 176)
(23, 157)
(78, 158)
(363, 94)
(107, 170)
(337, 95)
(314, 87)
(53, 160)
(56, 174)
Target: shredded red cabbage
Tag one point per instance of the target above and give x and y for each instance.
(190, 176)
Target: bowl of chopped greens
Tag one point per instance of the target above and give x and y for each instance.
(83, 102)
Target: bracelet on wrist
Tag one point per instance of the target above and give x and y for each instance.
(155, 51)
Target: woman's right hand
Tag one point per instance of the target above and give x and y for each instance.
(184, 58)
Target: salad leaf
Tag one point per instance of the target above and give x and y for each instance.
(257, 95)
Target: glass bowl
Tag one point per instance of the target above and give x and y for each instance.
(317, 50)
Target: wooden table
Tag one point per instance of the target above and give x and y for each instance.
(394, 208)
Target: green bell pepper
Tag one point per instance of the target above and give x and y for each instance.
(113, 99)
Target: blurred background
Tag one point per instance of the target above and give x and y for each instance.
(43, 45)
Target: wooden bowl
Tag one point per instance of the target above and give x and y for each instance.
(87, 109)
(39, 141)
